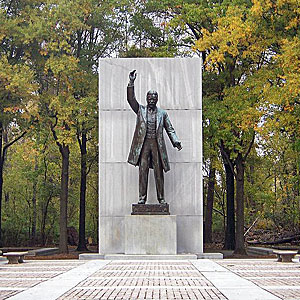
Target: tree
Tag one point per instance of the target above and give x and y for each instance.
(56, 68)
(280, 20)
(69, 56)
(17, 98)
(17, 87)
(86, 132)
(235, 49)
(99, 36)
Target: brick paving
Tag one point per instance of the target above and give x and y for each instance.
(148, 279)
(145, 280)
(280, 279)
(17, 278)
(19, 283)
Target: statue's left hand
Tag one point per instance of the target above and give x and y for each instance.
(178, 146)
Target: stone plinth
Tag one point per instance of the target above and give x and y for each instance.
(150, 235)
(150, 209)
(92, 256)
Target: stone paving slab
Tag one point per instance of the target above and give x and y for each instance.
(195, 279)
(280, 279)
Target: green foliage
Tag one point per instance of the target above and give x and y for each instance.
(48, 81)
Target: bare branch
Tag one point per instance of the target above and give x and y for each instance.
(6, 146)
(227, 158)
(91, 164)
(219, 212)
(250, 146)
(251, 226)
(192, 28)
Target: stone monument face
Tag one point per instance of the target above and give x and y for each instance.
(178, 86)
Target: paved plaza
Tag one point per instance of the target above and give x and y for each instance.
(263, 279)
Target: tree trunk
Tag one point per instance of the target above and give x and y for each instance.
(1, 180)
(34, 215)
(209, 204)
(240, 240)
(63, 236)
(34, 212)
(251, 202)
(230, 219)
(44, 217)
(83, 152)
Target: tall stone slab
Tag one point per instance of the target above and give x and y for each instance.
(178, 83)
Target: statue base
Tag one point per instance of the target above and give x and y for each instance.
(150, 209)
(150, 235)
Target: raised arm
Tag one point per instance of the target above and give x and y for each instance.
(130, 92)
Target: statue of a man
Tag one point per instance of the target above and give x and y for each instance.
(148, 149)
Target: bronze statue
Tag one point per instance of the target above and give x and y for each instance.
(148, 149)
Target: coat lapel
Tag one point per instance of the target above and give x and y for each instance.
(158, 117)
(144, 113)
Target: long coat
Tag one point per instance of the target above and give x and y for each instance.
(162, 122)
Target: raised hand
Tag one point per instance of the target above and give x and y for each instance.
(132, 77)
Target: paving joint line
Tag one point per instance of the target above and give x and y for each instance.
(281, 287)
(12, 289)
(265, 271)
(146, 270)
(141, 277)
(34, 272)
(24, 279)
(272, 277)
(156, 287)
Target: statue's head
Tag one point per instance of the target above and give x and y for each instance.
(152, 98)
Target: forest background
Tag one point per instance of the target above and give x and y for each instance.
(49, 109)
